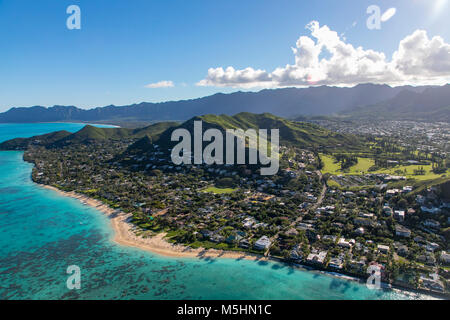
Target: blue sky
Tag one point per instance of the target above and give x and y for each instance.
(125, 45)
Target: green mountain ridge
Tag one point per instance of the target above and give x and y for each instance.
(45, 139)
(300, 134)
(86, 135)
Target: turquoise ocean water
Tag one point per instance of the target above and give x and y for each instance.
(42, 233)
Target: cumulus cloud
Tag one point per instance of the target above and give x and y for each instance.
(160, 84)
(419, 56)
(418, 60)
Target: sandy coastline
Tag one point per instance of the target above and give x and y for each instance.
(126, 234)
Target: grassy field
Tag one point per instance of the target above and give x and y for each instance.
(364, 164)
(331, 167)
(332, 183)
(429, 174)
(219, 190)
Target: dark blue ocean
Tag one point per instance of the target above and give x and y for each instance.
(42, 233)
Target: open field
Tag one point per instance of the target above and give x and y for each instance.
(219, 190)
(331, 167)
(409, 172)
(364, 164)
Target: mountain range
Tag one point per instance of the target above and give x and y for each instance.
(361, 100)
(433, 104)
(300, 134)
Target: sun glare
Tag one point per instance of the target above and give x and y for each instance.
(437, 7)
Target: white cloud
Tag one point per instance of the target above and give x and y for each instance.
(389, 13)
(160, 84)
(418, 60)
(420, 56)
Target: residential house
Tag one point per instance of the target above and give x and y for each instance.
(387, 211)
(432, 224)
(432, 210)
(330, 238)
(358, 266)
(399, 215)
(234, 238)
(402, 231)
(262, 243)
(431, 246)
(432, 282)
(317, 257)
(445, 257)
(336, 263)
(383, 248)
(206, 234)
(402, 250)
(244, 244)
(427, 258)
(346, 244)
(407, 189)
(296, 253)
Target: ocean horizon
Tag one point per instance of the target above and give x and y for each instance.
(43, 233)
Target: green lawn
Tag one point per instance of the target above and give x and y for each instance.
(219, 190)
(331, 167)
(364, 164)
(429, 174)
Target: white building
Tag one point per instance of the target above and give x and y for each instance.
(263, 243)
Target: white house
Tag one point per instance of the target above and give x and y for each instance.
(399, 215)
(317, 258)
(263, 243)
(346, 244)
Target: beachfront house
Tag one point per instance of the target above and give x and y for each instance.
(432, 282)
(262, 243)
(336, 263)
(244, 244)
(296, 253)
(317, 258)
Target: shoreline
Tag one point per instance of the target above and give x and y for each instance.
(125, 235)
